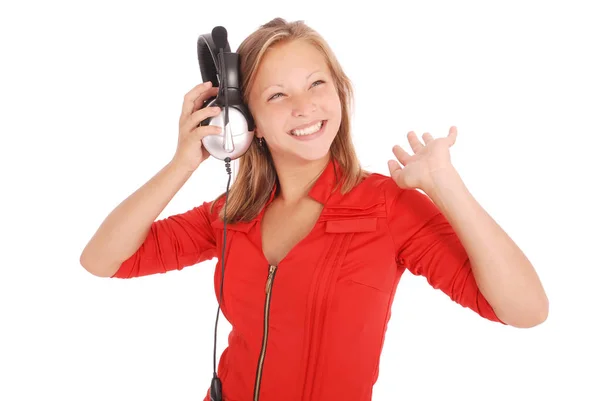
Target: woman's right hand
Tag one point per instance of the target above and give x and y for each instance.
(190, 152)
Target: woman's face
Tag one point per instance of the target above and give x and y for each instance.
(293, 94)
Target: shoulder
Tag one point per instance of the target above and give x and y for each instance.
(374, 188)
(379, 191)
(213, 207)
(206, 212)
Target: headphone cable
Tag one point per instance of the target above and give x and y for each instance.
(216, 385)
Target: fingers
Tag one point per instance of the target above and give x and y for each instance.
(394, 167)
(414, 142)
(401, 154)
(427, 137)
(452, 135)
(195, 97)
(198, 116)
(201, 132)
(395, 171)
(417, 145)
(211, 92)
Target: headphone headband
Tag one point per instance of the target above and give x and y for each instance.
(208, 58)
(223, 70)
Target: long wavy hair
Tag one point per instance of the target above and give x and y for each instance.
(256, 175)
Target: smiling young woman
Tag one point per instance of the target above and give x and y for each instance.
(316, 245)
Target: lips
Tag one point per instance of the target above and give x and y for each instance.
(308, 129)
(303, 126)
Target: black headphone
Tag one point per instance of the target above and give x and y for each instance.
(221, 66)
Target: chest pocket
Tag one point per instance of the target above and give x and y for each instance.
(365, 260)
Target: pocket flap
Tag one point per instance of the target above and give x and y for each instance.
(351, 225)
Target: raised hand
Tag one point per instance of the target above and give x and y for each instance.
(430, 156)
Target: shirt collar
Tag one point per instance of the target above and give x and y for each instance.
(321, 191)
(323, 186)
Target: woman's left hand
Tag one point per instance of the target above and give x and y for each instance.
(417, 170)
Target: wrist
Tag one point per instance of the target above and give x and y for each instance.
(441, 181)
(179, 168)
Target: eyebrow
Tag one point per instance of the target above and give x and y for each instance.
(281, 85)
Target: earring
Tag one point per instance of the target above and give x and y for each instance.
(261, 142)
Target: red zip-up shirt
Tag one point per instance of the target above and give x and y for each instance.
(312, 328)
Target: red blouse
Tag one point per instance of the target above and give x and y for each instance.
(313, 327)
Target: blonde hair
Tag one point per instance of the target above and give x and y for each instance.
(256, 173)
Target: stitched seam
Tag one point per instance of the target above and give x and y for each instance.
(408, 239)
(338, 260)
(387, 223)
(313, 295)
(383, 332)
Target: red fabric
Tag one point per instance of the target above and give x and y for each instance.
(331, 295)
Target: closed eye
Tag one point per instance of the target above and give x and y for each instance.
(275, 96)
(279, 93)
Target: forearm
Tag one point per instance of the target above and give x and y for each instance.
(503, 273)
(126, 227)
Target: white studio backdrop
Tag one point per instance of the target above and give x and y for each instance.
(91, 94)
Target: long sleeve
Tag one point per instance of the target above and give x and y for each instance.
(426, 245)
(174, 242)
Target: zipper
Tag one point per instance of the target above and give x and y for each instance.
(261, 359)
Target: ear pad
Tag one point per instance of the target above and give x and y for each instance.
(232, 142)
(237, 136)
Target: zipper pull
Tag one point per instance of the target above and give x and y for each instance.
(270, 279)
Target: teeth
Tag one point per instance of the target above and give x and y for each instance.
(309, 130)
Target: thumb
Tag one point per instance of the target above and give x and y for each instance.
(395, 169)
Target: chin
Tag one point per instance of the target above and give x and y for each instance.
(313, 155)
(312, 152)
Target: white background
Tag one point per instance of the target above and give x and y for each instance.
(90, 99)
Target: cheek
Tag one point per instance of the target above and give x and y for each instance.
(332, 102)
(272, 122)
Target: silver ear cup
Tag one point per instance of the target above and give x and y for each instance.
(222, 146)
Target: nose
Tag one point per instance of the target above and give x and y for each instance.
(303, 105)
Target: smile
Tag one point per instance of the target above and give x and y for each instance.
(309, 130)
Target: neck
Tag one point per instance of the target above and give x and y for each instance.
(297, 177)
